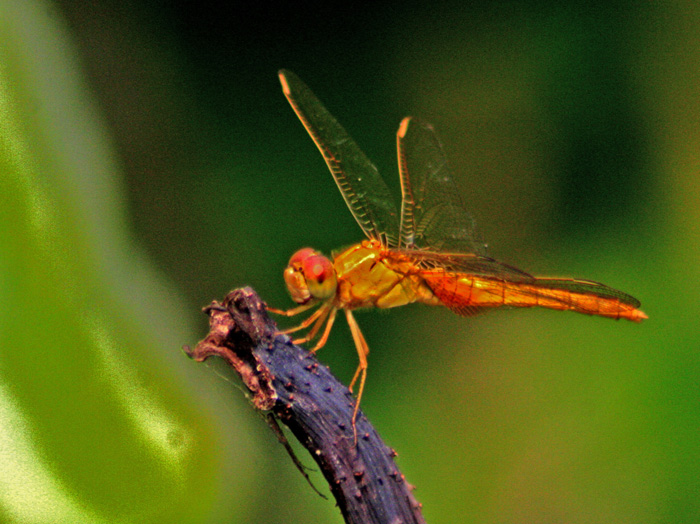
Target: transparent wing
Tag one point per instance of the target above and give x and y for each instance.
(590, 287)
(362, 187)
(471, 284)
(470, 264)
(433, 216)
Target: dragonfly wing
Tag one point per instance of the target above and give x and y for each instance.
(587, 287)
(470, 284)
(433, 216)
(363, 189)
(466, 263)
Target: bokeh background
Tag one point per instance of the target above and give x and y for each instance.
(150, 163)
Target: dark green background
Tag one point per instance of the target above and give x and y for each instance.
(573, 135)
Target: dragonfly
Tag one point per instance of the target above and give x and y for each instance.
(426, 253)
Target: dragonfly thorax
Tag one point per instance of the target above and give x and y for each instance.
(310, 276)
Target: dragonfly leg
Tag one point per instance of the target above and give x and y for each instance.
(306, 323)
(361, 372)
(292, 312)
(318, 318)
(324, 337)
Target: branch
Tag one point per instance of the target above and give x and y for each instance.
(290, 382)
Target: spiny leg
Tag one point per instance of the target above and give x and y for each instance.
(292, 312)
(319, 317)
(306, 323)
(324, 314)
(324, 337)
(362, 352)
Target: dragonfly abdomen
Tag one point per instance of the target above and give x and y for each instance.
(471, 294)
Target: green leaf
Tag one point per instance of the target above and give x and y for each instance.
(96, 425)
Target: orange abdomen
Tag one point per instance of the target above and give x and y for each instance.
(469, 294)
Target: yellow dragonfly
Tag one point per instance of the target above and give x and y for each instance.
(426, 253)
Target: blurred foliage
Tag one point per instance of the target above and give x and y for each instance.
(97, 422)
(573, 134)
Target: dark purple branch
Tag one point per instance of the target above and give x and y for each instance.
(289, 381)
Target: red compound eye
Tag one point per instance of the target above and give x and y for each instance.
(301, 255)
(317, 268)
(310, 275)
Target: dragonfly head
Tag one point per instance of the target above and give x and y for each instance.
(310, 276)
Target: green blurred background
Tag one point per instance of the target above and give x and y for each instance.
(149, 163)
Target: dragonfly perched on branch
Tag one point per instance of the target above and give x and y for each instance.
(426, 253)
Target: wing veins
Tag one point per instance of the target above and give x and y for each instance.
(358, 180)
